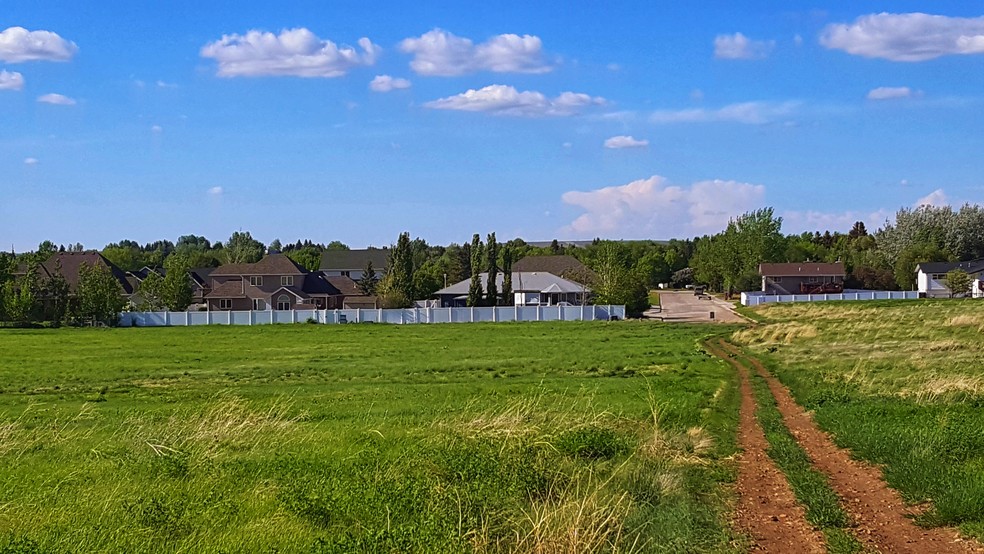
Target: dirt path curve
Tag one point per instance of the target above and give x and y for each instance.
(878, 511)
(767, 509)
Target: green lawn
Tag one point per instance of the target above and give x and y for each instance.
(532, 437)
(900, 383)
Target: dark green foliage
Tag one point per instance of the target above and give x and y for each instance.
(492, 261)
(507, 263)
(242, 248)
(99, 295)
(475, 286)
(367, 284)
(593, 443)
(14, 544)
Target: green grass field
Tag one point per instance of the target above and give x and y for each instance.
(900, 383)
(539, 437)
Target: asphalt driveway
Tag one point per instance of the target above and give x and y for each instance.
(683, 306)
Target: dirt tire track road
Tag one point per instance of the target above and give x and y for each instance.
(882, 519)
(767, 509)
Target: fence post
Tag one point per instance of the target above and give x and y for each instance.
(471, 318)
(538, 312)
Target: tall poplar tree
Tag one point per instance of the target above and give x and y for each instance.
(492, 259)
(475, 287)
(507, 261)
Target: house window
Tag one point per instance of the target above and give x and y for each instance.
(256, 280)
(283, 302)
(777, 279)
(286, 280)
(346, 274)
(814, 280)
(259, 304)
(939, 276)
(225, 303)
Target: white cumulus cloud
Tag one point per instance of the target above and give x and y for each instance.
(625, 141)
(754, 113)
(17, 44)
(906, 37)
(11, 80)
(652, 208)
(935, 198)
(385, 83)
(888, 93)
(30, 161)
(506, 100)
(740, 47)
(294, 52)
(794, 221)
(215, 191)
(56, 99)
(438, 52)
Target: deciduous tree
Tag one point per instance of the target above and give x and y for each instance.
(492, 260)
(475, 286)
(99, 295)
(959, 282)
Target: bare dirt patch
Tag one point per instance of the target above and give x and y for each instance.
(883, 521)
(767, 509)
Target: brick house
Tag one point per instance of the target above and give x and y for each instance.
(275, 283)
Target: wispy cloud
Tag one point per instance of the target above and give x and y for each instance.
(11, 80)
(215, 191)
(30, 161)
(906, 37)
(753, 113)
(438, 52)
(506, 100)
(740, 47)
(294, 52)
(385, 83)
(56, 99)
(652, 208)
(17, 44)
(889, 93)
(625, 141)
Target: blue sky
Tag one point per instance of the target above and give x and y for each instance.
(354, 122)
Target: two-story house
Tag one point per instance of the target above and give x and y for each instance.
(931, 277)
(275, 283)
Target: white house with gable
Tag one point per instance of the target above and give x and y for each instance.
(931, 277)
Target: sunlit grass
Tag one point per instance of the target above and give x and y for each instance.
(569, 437)
(900, 383)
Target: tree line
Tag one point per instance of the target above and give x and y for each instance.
(623, 270)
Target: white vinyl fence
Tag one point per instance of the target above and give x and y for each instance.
(404, 316)
(753, 299)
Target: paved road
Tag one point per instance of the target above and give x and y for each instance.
(685, 307)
